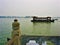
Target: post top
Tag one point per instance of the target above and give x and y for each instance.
(15, 20)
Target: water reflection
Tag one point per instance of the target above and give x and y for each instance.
(41, 40)
(44, 43)
(41, 28)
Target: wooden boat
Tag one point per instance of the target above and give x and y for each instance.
(42, 19)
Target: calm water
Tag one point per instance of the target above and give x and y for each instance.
(28, 28)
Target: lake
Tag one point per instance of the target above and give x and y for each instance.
(28, 28)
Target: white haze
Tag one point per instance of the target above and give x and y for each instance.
(30, 7)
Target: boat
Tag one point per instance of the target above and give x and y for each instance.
(42, 19)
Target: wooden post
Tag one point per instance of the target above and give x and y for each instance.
(16, 34)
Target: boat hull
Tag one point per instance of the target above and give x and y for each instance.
(42, 20)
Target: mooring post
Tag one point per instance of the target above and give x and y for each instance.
(16, 34)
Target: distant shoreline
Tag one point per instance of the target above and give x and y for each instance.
(20, 17)
(15, 16)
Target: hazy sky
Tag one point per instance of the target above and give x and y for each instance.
(30, 7)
